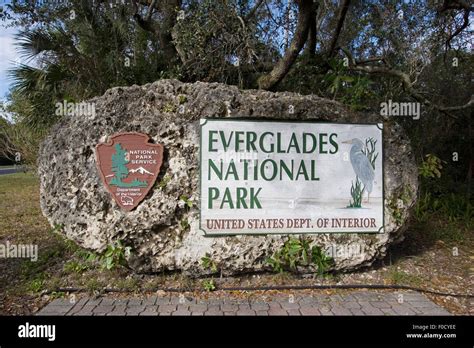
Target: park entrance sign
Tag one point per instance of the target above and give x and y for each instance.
(290, 177)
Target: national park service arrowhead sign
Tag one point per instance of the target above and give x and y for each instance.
(129, 166)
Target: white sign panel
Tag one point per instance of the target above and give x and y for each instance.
(269, 177)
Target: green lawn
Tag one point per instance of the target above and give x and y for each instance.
(21, 218)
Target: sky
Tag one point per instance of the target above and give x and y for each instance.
(8, 56)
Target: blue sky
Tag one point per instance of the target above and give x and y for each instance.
(8, 56)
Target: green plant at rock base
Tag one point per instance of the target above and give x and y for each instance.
(431, 167)
(169, 107)
(398, 201)
(456, 207)
(184, 223)
(37, 284)
(186, 201)
(403, 278)
(321, 260)
(114, 256)
(208, 285)
(85, 260)
(57, 294)
(182, 99)
(209, 263)
(74, 267)
(93, 285)
(395, 209)
(357, 193)
(166, 179)
(422, 207)
(446, 217)
(57, 228)
(298, 252)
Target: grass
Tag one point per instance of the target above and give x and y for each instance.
(21, 222)
(21, 217)
(403, 278)
(448, 218)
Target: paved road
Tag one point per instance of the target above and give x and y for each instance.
(8, 171)
(354, 303)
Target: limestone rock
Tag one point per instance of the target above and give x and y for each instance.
(162, 232)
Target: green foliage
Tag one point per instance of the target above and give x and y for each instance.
(184, 223)
(56, 228)
(336, 77)
(36, 285)
(19, 138)
(74, 59)
(208, 263)
(298, 252)
(169, 107)
(422, 207)
(403, 278)
(395, 209)
(114, 256)
(93, 285)
(57, 294)
(208, 285)
(321, 260)
(128, 283)
(85, 260)
(431, 167)
(449, 232)
(182, 99)
(357, 93)
(215, 46)
(357, 193)
(352, 89)
(74, 267)
(453, 208)
(166, 179)
(186, 201)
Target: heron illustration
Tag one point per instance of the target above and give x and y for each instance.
(361, 164)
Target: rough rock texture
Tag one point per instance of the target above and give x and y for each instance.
(72, 194)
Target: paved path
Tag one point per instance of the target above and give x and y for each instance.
(8, 171)
(353, 303)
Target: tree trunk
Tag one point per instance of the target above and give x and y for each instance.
(163, 30)
(340, 23)
(281, 68)
(168, 10)
(311, 44)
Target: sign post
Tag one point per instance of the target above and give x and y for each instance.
(273, 177)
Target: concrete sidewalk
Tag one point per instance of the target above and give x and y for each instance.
(351, 303)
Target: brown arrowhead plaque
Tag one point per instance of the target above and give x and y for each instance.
(129, 165)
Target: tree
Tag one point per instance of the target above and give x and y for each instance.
(358, 52)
